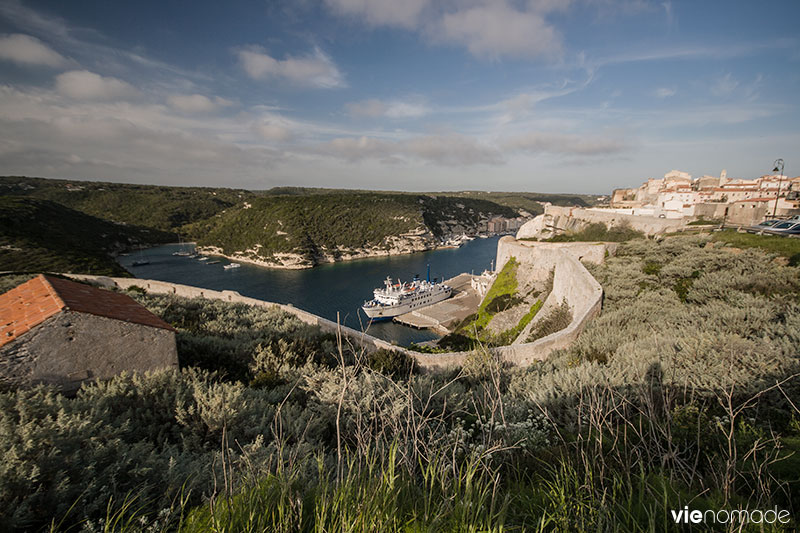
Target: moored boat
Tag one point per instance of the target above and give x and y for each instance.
(396, 299)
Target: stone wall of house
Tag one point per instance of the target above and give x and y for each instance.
(70, 348)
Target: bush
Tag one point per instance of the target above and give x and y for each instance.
(391, 363)
(597, 231)
(609, 434)
(557, 319)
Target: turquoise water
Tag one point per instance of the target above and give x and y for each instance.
(324, 290)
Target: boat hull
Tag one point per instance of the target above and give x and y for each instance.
(385, 312)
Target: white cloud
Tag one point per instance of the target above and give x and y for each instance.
(374, 108)
(554, 143)
(665, 92)
(496, 29)
(85, 85)
(274, 128)
(444, 149)
(58, 136)
(724, 85)
(315, 70)
(488, 28)
(405, 13)
(27, 50)
(197, 103)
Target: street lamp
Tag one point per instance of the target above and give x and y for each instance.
(778, 167)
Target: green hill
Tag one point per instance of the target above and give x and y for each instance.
(163, 208)
(324, 227)
(310, 225)
(39, 235)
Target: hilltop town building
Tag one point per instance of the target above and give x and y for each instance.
(740, 201)
(503, 224)
(63, 333)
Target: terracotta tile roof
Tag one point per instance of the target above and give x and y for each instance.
(33, 302)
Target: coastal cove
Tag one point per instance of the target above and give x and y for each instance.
(325, 290)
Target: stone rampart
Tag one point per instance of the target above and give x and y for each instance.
(571, 283)
(558, 219)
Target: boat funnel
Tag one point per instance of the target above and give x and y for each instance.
(428, 278)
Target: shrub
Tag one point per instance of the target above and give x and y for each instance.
(597, 231)
(391, 363)
(557, 319)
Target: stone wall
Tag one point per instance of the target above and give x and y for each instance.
(571, 282)
(558, 219)
(70, 348)
(369, 342)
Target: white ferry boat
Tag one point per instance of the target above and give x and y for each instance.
(231, 266)
(399, 298)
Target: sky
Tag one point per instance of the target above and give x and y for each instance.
(577, 96)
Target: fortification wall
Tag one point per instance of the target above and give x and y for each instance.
(557, 219)
(571, 283)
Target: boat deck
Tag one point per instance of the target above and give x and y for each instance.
(445, 314)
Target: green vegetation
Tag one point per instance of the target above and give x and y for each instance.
(703, 222)
(662, 402)
(312, 223)
(508, 336)
(472, 332)
(308, 226)
(503, 289)
(784, 246)
(391, 363)
(531, 201)
(314, 226)
(162, 208)
(39, 235)
(598, 231)
(557, 319)
(516, 200)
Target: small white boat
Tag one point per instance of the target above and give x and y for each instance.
(232, 265)
(203, 259)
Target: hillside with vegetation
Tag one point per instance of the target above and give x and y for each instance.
(288, 226)
(510, 304)
(684, 391)
(304, 230)
(530, 202)
(43, 236)
(162, 208)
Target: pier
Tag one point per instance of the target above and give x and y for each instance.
(444, 315)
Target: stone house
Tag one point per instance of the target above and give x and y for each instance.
(63, 333)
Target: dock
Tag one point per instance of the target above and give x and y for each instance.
(446, 314)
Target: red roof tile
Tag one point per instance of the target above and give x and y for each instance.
(33, 302)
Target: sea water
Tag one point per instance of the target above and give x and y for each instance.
(327, 290)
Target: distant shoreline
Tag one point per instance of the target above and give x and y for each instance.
(305, 266)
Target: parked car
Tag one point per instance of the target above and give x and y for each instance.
(787, 227)
(761, 226)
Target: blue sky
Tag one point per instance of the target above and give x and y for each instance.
(525, 95)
